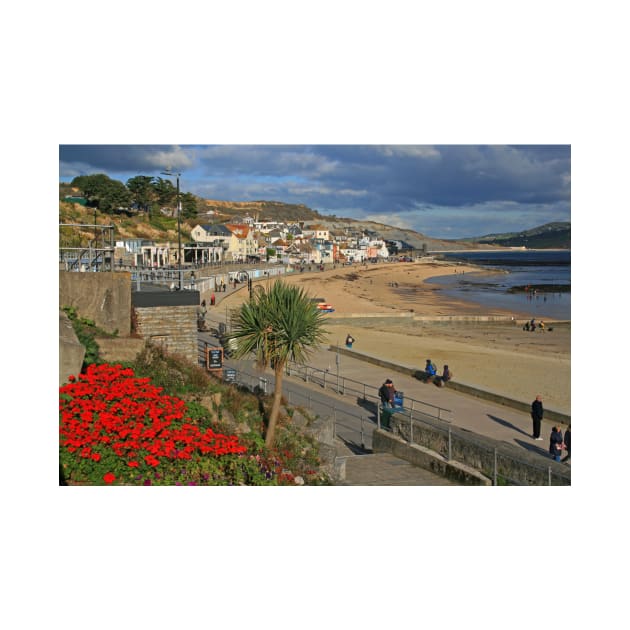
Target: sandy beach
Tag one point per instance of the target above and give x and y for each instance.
(394, 314)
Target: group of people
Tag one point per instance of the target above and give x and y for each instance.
(531, 325)
(557, 441)
(430, 370)
(387, 393)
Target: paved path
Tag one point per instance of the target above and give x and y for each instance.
(383, 469)
(483, 417)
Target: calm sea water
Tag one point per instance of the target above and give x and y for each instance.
(518, 268)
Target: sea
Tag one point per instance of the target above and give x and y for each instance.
(518, 268)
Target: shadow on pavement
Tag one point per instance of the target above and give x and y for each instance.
(534, 448)
(355, 448)
(370, 407)
(507, 424)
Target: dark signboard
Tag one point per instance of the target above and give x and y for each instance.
(214, 358)
(229, 375)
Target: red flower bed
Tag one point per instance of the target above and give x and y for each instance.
(113, 424)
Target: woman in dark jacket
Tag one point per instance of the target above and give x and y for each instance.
(555, 443)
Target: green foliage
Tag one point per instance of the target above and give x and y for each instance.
(162, 222)
(86, 332)
(165, 192)
(189, 205)
(295, 453)
(141, 188)
(278, 324)
(103, 193)
(177, 375)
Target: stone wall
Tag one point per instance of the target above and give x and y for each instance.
(172, 327)
(477, 452)
(71, 352)
(384, 442)
(103, 297)
(119, 349)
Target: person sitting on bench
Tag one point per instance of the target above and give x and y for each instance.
(447, 375)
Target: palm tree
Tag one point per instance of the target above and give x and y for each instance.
(278, 324)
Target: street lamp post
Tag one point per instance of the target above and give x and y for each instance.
(179, 230)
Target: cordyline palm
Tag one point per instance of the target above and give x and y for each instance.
(278, 324)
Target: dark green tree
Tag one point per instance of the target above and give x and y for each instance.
(189, 205)
(141, 188)
(92, 186)
(165, 192)
(102, 192)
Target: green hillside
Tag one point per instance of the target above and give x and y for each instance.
(548, 236)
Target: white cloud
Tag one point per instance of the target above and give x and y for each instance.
(410, 151)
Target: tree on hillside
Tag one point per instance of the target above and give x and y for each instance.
(165, 191)
(189, 205)
(141, 189)
(278, 324)
(102, 192)
(92, 186)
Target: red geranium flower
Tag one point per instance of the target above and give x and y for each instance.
(110, 410)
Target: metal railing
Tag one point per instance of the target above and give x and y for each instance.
(454, 445)
(354, 429)
(417, 422)
(343, 385)
(78, 252)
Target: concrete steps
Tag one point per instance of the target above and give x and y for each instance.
(383, 469)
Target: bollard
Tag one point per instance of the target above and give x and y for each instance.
(449, 445)
(378, 416)
(494, 474)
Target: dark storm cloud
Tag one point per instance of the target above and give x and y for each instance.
(446, 188)
(116, 159)
(455, 175)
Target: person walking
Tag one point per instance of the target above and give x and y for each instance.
(537, 416)
(386, 393)
(349, 341)
(556, 443)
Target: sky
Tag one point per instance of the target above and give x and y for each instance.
(442, 191)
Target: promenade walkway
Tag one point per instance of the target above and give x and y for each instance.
(483, 417)
(493, 420)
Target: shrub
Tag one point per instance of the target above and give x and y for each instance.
(117, 428)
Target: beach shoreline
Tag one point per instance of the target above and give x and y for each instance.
(393, 313)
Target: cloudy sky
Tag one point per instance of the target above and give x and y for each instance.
(443, 191)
